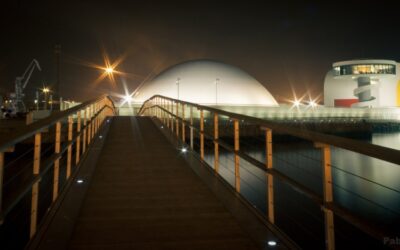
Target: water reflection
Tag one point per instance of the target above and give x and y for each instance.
(365, 185)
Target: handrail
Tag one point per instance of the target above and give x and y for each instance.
(90, 117)
(375, 151)
(21, 134)
(167, 110)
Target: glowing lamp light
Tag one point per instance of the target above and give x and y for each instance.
(296, 103)
(79, 181)
(271, 243)
(313, 104)
(109, 70)
(184, 150)
(128, 98)
(46, 90)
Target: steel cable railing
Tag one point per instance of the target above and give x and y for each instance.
(226, 133)
(57, 145)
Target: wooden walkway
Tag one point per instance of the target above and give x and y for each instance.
(144, 196)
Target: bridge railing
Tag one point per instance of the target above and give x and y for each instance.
(34, 158)
(209, 131)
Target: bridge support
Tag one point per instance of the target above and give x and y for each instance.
(328, 195)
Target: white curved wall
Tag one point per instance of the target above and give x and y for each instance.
(384, 89)
(197, 84)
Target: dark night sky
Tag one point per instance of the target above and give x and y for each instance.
(281, 44)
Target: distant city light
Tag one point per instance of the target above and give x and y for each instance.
(46, 90)
(296, 103)
(272, 243)
(184, 150)
(79, 181)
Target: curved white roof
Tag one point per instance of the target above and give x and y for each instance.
(363, 61)
(207, 82)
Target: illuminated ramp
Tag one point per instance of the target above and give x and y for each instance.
(144, 195)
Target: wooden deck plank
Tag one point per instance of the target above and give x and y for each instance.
(143, 196)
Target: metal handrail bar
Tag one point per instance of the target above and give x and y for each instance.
(369, 228)
(375, 151)
(28, 131)
(95, 112)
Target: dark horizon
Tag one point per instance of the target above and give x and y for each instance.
(283, 45)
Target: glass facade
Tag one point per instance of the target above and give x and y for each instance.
(359, 69)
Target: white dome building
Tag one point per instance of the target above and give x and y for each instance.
(207, 82)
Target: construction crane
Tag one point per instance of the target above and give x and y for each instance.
(18, 104)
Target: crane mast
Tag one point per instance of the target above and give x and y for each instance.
(20, 84)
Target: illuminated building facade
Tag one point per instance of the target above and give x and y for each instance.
(363, 83)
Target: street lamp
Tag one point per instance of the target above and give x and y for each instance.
(45, 91)
(216, 91)
(177, 83)
(109, 70)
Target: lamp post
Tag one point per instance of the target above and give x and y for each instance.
(177, 84)
(216, 91)
(45, 92)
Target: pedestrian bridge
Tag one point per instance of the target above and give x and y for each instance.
(183, 176)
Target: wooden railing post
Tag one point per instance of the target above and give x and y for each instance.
(56, 174)
(163, 110)
(328, 194)
(172, 117)
(201, 135)
(177, 119)
(95, 116)
(216, 146)
(270, 178)
(1, 182)
(84, 131)
(183, 123)
(89, 132)
(69, 150)
(93, 121)
(35, 186)
(236, 147)
(78, 139)
(191, 127)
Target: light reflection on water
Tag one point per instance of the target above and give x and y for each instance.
(352, 176)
